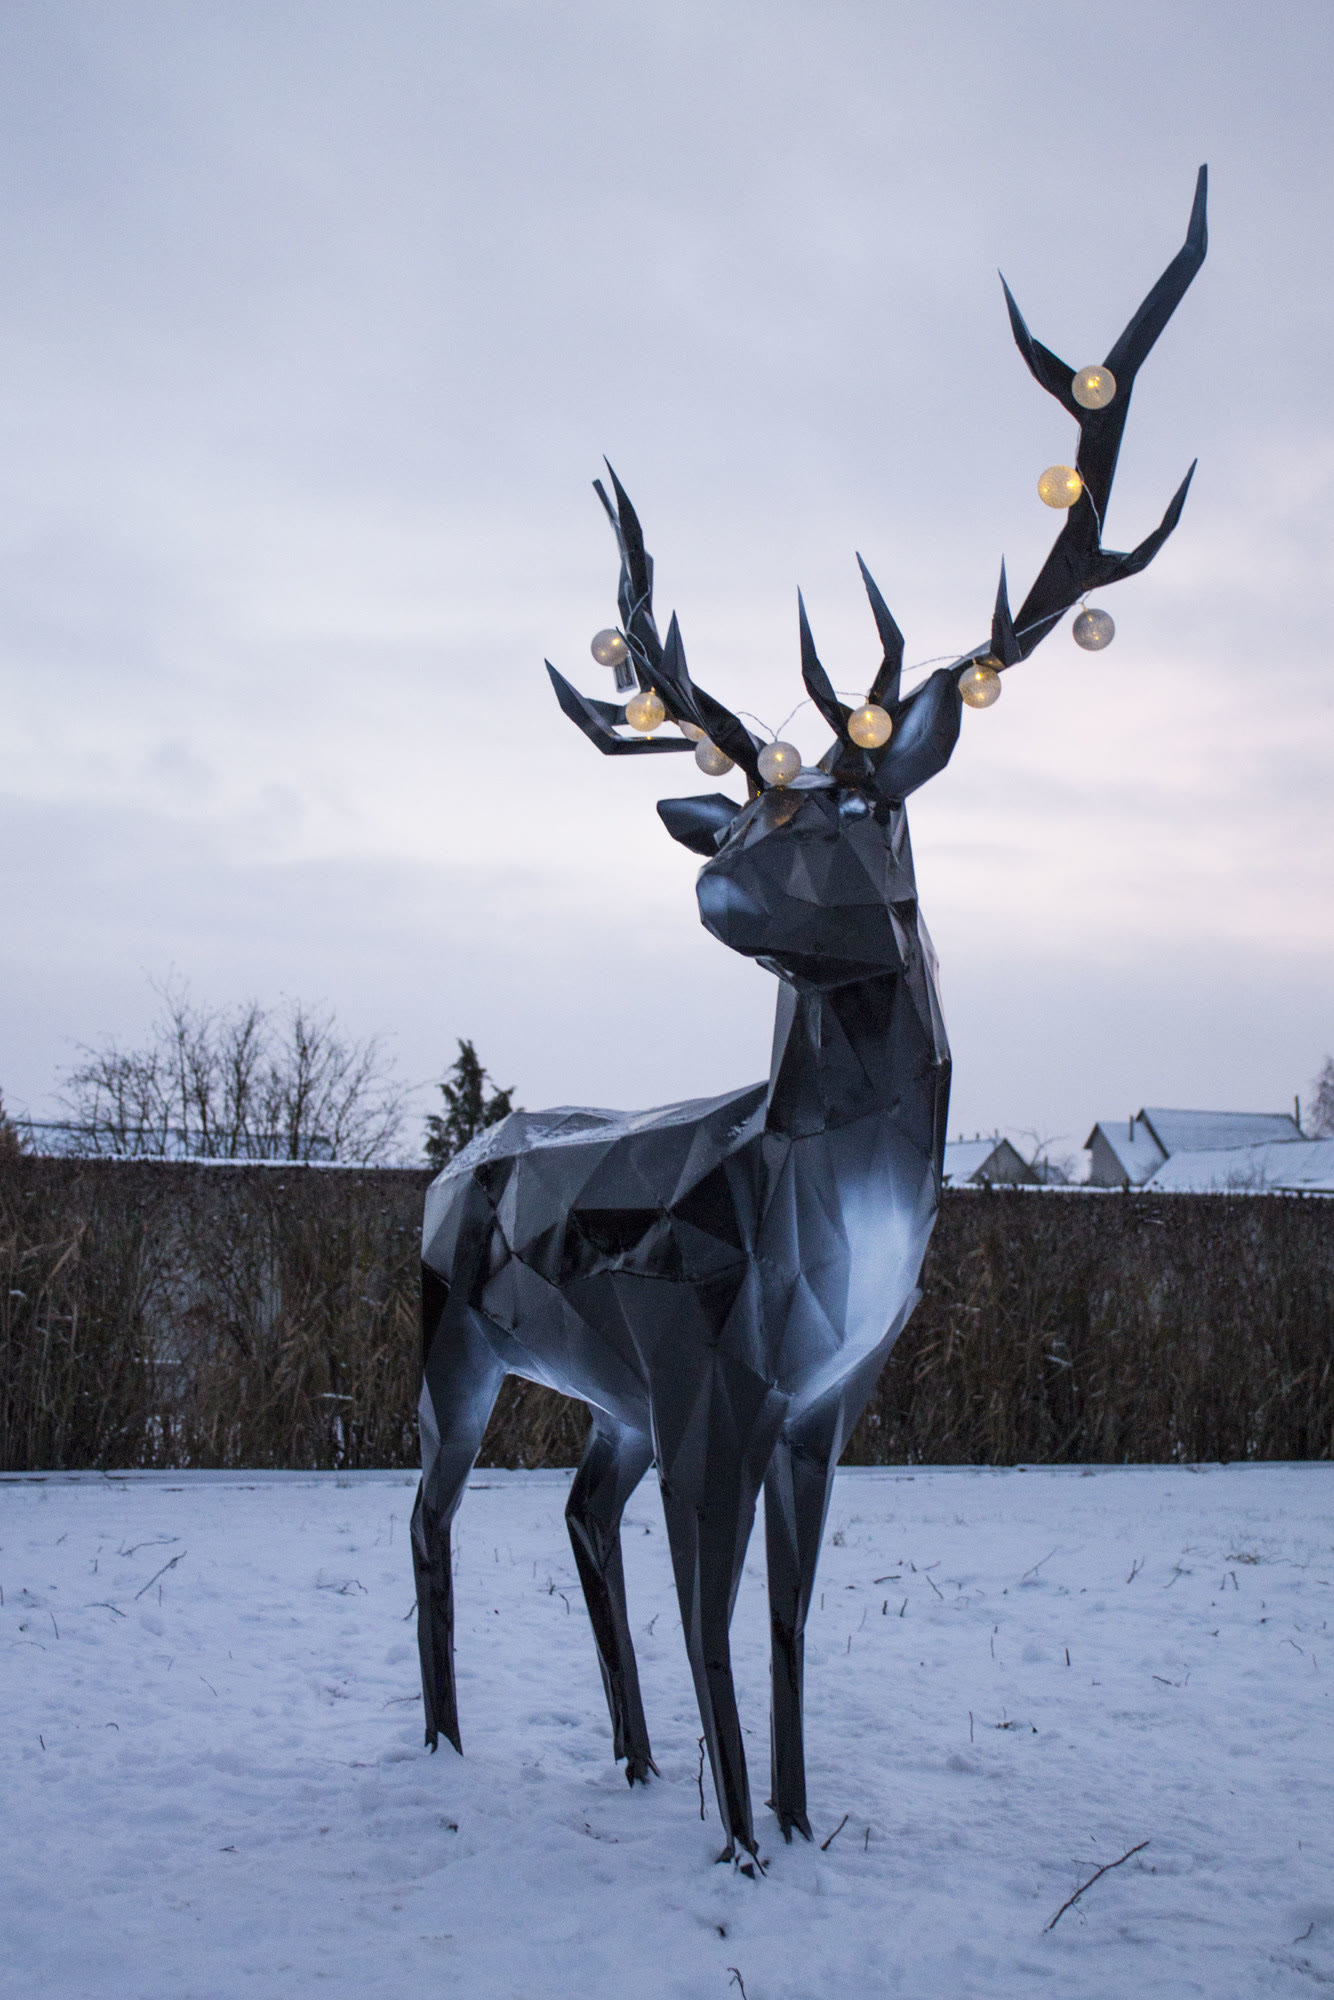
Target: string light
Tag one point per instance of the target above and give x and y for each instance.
(1060, 486)
(980, 684)
(712, 761)
(644, 711)
(1093, 630)
(1093, 388)
(691, 731)
(779, 763)
(608, 648)
(870, 726)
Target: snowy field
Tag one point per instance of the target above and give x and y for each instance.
(214, 1784)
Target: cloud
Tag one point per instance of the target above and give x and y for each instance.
(312, 342)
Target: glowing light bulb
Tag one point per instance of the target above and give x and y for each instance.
(1093, 630)
(870, 726)
(1060, 486)
(712, 761)
(779, 763)
(980, 684)
(1093, 388)
(608, 648)
(691, 731)
(644, 711)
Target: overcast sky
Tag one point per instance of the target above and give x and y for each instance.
(316, 321)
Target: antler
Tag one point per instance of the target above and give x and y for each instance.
(658, 666)
(1078, 563)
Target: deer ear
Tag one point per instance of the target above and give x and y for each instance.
(699, 823)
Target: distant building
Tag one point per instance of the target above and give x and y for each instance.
(1128, 1152)
(979, 1162)
(1286, 1167)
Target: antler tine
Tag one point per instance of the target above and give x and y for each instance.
(598, 720)
(685, 702)
(1078, 562)
(818, 684)
(634, 594)
(885, 687)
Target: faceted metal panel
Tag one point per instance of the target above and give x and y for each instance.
(722, 1280)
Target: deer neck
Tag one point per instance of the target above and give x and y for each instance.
(874, 1047)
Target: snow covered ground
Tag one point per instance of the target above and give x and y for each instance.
(214, 1784)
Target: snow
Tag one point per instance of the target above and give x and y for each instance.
(1291, 1166)
(215, 1785)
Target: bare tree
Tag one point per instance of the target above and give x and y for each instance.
(1049, 1169)
(1320, 1111)
(238, 1084)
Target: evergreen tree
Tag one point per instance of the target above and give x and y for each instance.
(469, 1108)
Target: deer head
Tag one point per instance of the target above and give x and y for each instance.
(814, 878)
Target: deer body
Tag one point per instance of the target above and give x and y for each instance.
(721, 1281)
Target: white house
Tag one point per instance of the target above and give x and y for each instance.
(975, 1162)
(1128, 1152)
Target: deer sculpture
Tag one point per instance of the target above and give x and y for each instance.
(721, 1281)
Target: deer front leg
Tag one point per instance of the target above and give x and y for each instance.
(714, 1437)
(615, 1460)
(796, 1499)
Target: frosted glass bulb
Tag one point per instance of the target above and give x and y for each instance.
(608, 648)
(645, 712)
(1093, 630)
(691, 731)
(1060, 486)
(779, 763)
(712, 761)
(980, 684)
(870, 726)
(1093, 388)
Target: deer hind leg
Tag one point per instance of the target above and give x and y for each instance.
(714, 1437)
(615, 1460)
(461, 1381)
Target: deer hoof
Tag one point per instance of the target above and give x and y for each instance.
(788, 1820)
(638, 1768)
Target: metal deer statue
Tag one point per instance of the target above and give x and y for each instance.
(721, 1281)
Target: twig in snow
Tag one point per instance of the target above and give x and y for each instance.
(1306, 1933)
(158, 1542)
(1037, 1566)
(737, 1980)
(1104, 1870)
(825, 1845)
(209, 1685)
(1135, 1569)
(866, 1844)
(970, 1725)
(105, 1605)
(162, 1572)
(56, 1629)
(932, 1581)
(700, 1780)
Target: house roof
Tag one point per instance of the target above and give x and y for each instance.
(983, 1159)
(1136, 1157)
(1288, 1166)
(1199, 1131)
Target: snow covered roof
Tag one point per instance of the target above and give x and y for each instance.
(1133, 1146)
(1287, 1166)
(1200, 1131)
(983, 1160)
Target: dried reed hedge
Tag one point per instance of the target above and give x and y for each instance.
(177, 1315)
